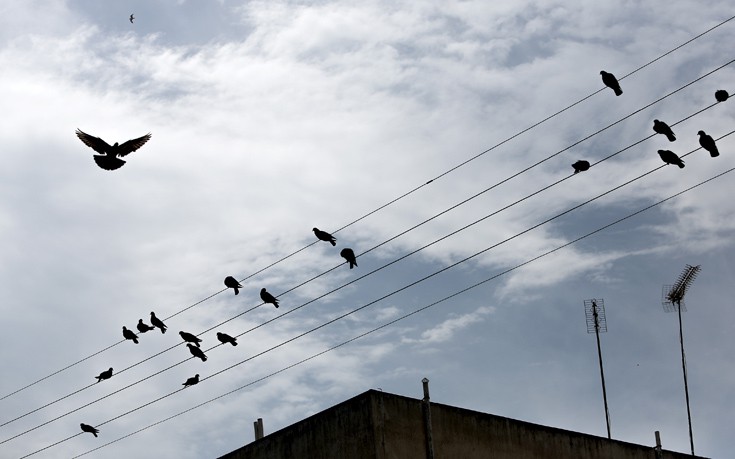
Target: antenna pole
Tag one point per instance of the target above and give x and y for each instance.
(596, 320)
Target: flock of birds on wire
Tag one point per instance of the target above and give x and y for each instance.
(109, 159)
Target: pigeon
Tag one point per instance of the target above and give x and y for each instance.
(144, 327)
(581, 166)
(104, 375)
(268, 298)
(669, 157)
(156, 322)
(721, 95)
(611, 82)
(127, 334)
(708, 143)
(192, 381)
(108, 159)
(132, 18)
(90, 429)
(231, 282)
(196, 352)
(349, 255)
(189, 338)
(659, 127)
(225, 338)
(324, 236)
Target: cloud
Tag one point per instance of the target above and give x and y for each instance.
(446, 330)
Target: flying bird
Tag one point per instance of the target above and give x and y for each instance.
(659, 127)
(104, 375)
(231, 282)
(611, 82)
(721, 95)
(225, 338)
(349, 255)
(132, 18)
(196, 352)
(127, 334)
(581, 166)
(669, 157)
(90, 429)
(192, 381)
(268, 298)
(156, 322)
(708, 143)
(189, 338)
(108, 157)
(324, 236)
(143, 327)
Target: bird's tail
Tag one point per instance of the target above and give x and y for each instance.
(204, 358)
(135, 340)
(618, 91)
(234, 343)
(714, 153)
(671, 137)
(680, 164)
(333, 241)
(237, 290)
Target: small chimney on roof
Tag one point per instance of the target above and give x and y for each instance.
(258, 426)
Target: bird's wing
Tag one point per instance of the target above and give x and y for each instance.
(132, 145)
(95, 143)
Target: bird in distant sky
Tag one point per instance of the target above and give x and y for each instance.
(127, 334)
(225, 338)
(708, 143)
(324, 236)
(349, 255)
(143, 327)
(90, 429)
(104, 375)
(156, 322)
(659, 127)
(581, 166)
(669, 157)
(232, 283)
(721, 95)
(196, 352)
(268, 298)
(611, 82)
(108, 157)
(192, 381)
(132, 18)
(188, 337)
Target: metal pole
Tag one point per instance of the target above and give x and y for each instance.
(686, 384)
(602, 372)
(426, 408)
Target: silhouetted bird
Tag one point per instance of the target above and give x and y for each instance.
(89, 429)
(156, 322)
(192, 381)
(231, 282)
(659, 127)
(108, 159)
(268, 298)
(349, 255)
(708, 143)
(132, 18)
(143, 327)
(188, 337)
(581, 166)
(324, 236)
(721, 95)
(669, 157)
(127, 334)
(104, 375)
(611, 82)
(196, 352)
(225, 338)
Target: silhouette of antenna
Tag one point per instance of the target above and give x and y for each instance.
(672, 300)
(594, 311)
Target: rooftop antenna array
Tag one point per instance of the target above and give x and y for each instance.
(594, 311)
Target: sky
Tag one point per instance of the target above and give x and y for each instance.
(269, 118)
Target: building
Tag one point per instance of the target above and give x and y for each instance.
(379, 425)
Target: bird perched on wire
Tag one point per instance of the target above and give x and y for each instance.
(581, 166)
(225, 338)
(669, 157)
(104, 375)
(721, 95)
(708, 143)
(196, 352)
(659, 127)
(349, 255)
(231, 282)
(127, 334)
(324, 236)
(189, 338)
(90, 429)
(132, 18)
(143, 327)
(192, 381)
(611, 82)
(108, 157)
(158, 323)
(268, 298)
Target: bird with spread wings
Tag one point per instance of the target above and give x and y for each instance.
(108, 158)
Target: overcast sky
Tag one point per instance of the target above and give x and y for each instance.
(269, 118)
